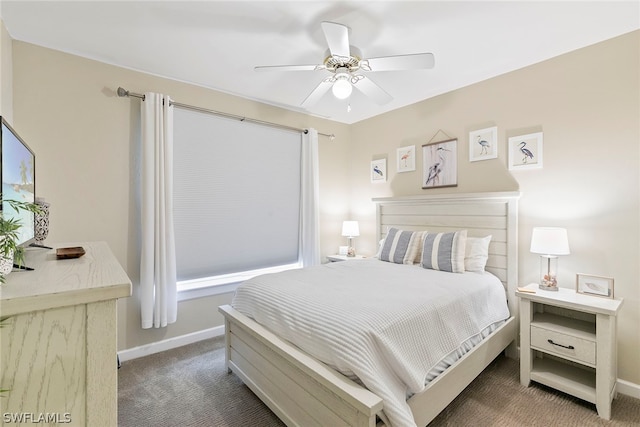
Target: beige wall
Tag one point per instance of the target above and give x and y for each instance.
(585, 102)
(85, 137)
(6, 74)
(587, 105)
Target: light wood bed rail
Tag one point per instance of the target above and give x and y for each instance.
(302, 391)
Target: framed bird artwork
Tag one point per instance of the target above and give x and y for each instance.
(483, 144)
(440, 164)
(525, 151)
(379, 171)
(406, 159)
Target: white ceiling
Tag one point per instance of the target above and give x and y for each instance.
(216, 44)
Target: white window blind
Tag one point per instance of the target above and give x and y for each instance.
(236, 195)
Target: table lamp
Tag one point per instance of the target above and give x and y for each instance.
(350, 229)
(549, 242)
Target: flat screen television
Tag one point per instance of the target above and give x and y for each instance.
(18, 180)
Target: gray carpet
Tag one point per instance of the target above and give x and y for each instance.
(189, 386)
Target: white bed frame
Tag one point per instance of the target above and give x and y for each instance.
(302, 391)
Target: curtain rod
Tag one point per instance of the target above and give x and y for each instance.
(125, 93)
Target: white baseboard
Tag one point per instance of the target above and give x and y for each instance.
(168, 344)
(628, 388)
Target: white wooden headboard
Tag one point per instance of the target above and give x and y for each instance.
(479, 213)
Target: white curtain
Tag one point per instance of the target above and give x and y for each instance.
(158, 295)
(309, 201)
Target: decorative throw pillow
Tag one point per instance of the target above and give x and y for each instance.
(401, 246)
(444, 251)
(379, 251)
(476, 253)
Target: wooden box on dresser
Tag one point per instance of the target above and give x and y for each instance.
(568, 342)
(58, 357)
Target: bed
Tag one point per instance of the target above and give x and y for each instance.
(303, 391)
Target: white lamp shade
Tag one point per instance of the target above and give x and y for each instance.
(350, 229)
(341, 89)
(549, 241)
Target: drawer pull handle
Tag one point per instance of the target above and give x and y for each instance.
(569, 347)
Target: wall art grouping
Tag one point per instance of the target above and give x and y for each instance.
(440, 159)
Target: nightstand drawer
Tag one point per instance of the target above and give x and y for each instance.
(563, 345)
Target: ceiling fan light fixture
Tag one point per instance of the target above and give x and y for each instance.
(342, 89)
(345, 63)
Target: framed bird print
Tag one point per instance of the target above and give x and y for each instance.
(440, 164)
(406, 158)
(379, 170)
(483, 144)
(525, 151)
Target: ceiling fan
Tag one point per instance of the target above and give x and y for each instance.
(345, 62)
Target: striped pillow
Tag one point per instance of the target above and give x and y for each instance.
(402, 247)
(444, 251)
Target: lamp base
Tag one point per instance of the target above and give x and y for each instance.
(548, 269)
(351, 252)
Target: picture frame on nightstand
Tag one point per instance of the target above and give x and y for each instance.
(598, 286)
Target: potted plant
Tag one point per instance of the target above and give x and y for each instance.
(10, 252)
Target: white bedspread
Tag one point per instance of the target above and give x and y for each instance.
(388, 324)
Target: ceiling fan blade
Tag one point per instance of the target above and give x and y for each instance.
(317, 93)
(337, 36)
(372, 90)
(414, 61)
(289, 68)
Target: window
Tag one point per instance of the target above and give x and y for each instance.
(236, 197)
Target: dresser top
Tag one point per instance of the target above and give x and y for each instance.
(95, 276)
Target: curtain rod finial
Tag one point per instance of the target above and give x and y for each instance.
(332, 137)
(122, 92)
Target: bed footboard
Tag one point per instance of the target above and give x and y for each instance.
(444, 388)
(300, 390)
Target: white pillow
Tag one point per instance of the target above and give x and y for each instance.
(444, 251)
(380, 243)
(476, 253)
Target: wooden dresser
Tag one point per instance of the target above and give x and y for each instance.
(58, 346)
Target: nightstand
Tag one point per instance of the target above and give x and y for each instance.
(336, 258)
(568, 342)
